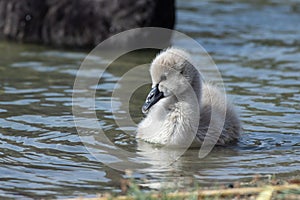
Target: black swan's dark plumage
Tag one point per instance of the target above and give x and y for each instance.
(80, 23)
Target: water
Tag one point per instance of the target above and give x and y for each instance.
(256, 47)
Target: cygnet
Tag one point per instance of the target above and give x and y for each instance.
(182, 110)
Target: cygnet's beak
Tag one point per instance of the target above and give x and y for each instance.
(153, 97)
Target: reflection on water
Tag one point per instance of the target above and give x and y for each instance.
(256, 47)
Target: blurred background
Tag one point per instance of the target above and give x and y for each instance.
(255, 44)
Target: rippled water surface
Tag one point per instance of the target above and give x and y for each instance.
(256, 46)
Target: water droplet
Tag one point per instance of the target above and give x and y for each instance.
(28, 17)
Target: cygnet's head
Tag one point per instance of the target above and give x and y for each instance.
(172, 73)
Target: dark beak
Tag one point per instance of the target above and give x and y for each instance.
(153, 97)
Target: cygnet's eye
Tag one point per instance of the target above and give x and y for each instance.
(163, 77)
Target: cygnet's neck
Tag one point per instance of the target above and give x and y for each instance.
(173, 120)
(197, 86)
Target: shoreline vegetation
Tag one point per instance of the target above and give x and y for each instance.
(257, 189)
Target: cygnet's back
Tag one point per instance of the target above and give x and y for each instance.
(183, 111)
